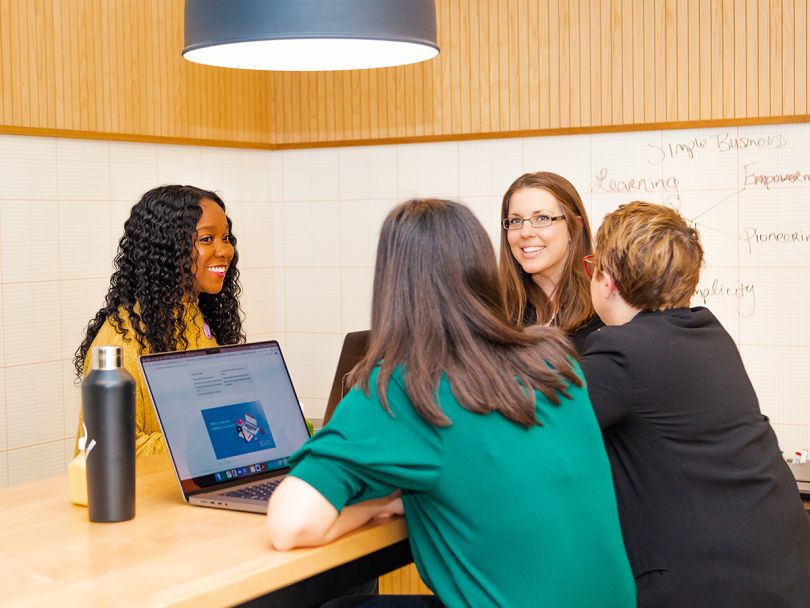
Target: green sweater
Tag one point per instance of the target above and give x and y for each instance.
(497, 515)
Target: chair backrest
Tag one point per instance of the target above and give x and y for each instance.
(355, 346)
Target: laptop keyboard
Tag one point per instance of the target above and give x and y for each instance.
(259, 491)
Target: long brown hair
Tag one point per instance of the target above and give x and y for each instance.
(438, 309)
(573, 293)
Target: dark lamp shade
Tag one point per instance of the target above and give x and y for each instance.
(306, 35)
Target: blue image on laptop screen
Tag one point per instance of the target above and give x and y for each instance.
(238, 429)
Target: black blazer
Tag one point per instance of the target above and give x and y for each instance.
(710, 513)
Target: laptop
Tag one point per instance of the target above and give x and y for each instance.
(802, 474)
(355, 346)
(230, 418)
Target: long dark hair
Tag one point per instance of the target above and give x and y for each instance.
(573, 293)
(438, 308)
(153, 274)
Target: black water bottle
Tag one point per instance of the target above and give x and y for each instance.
(108, 404)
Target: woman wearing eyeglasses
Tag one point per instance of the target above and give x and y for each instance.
(545, 236)
(710, 512)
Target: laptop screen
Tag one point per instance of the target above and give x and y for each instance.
(227, 413)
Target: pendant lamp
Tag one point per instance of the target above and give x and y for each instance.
(306, 35)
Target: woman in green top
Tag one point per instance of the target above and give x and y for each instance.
(486, 431)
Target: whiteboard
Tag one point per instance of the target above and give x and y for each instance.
(747, 190)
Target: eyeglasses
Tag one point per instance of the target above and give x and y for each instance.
(541, 220)
(590, 265)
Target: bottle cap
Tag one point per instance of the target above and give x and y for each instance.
(107, 357)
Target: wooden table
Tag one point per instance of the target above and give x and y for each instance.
(171, 554)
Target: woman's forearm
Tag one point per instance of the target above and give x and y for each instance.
(359, 514)
(299, 516)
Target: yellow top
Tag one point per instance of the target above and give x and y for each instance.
(148, 438)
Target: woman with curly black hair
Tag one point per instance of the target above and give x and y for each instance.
(175, 287)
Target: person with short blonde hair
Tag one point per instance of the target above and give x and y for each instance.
(710, 513)
(652, 253)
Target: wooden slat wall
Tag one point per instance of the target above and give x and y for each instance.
(113, 68)
(521, 66)
(404, 581)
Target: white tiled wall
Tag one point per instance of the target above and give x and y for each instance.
(307, 223)
(62, 210)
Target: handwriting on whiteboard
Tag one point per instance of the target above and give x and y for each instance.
(722, 142)
(603, 182)
(745, 293)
